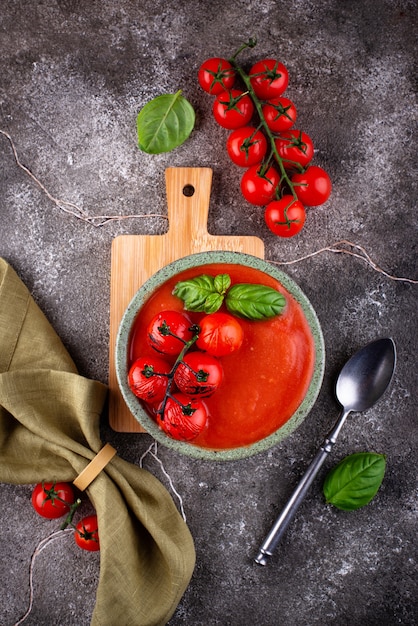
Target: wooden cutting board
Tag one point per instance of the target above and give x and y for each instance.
(134, 258)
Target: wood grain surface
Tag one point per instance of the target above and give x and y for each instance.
(134, 258)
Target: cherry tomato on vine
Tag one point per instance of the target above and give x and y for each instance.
(198, 374)
(86, 534)
(259, 187)
(269, 78)
(168, 331)
(184, 417)
(285, 217)
(295, 147)
(220, 334)
(52, 500)
(233, 109)
(313, 187)
(148, 378)
(246, 146)
(280, 114)
(216, 75)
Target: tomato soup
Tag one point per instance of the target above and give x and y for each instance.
(264, 382)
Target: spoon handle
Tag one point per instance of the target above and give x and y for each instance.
(282, 522)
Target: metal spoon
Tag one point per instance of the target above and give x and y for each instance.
(361, 382)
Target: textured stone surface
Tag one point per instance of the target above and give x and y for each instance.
(74, 75)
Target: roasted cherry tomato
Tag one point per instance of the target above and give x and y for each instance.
(184, 417)
(295, 147)
(216, 75)
(168, 332)
(52, 500)
(280, 114)
(220, 334)
(269, 78)
(233, 109)
(285, 217)
(148, 378)
(313, 187)
(246, 146)
(198, 374)
(259, 187)
(86, 534)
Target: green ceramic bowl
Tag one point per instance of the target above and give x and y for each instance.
(122, 350)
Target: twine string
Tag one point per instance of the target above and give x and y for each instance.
(57, 534)
(152, 450)
(352, 249)
(69, 207)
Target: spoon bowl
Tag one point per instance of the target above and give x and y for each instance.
(365, 376)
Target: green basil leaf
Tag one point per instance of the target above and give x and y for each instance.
(222, 283)
(199, 294)
(213, 303)
(254, 302)
(354, 482)
(164, 123)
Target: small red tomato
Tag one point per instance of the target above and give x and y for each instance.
(259, 187)
(198, 374)
(216, 75)
(285, 217)
(168, 332)
(313, 187)
(280, 114)
(184, 417)
(246, 146)
(295, 147)
(233, 109)
(52, 500)
(148, 378)
(86, 534)
(269, 78)
(220, 334)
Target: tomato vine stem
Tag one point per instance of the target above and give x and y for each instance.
(258, 106)
(179, 359)
(251, 43)
(69, 519)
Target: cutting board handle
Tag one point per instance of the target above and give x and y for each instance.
(188, 196)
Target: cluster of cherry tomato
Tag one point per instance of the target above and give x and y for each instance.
(54, 500)
(277, 157)
(185, 370)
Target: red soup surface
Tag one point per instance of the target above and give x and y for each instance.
(264, 382)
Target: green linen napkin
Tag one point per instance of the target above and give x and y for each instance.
(49, 430)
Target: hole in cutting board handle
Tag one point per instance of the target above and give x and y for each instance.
(188, 190)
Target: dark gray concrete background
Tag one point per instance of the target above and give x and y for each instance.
(74, 76)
